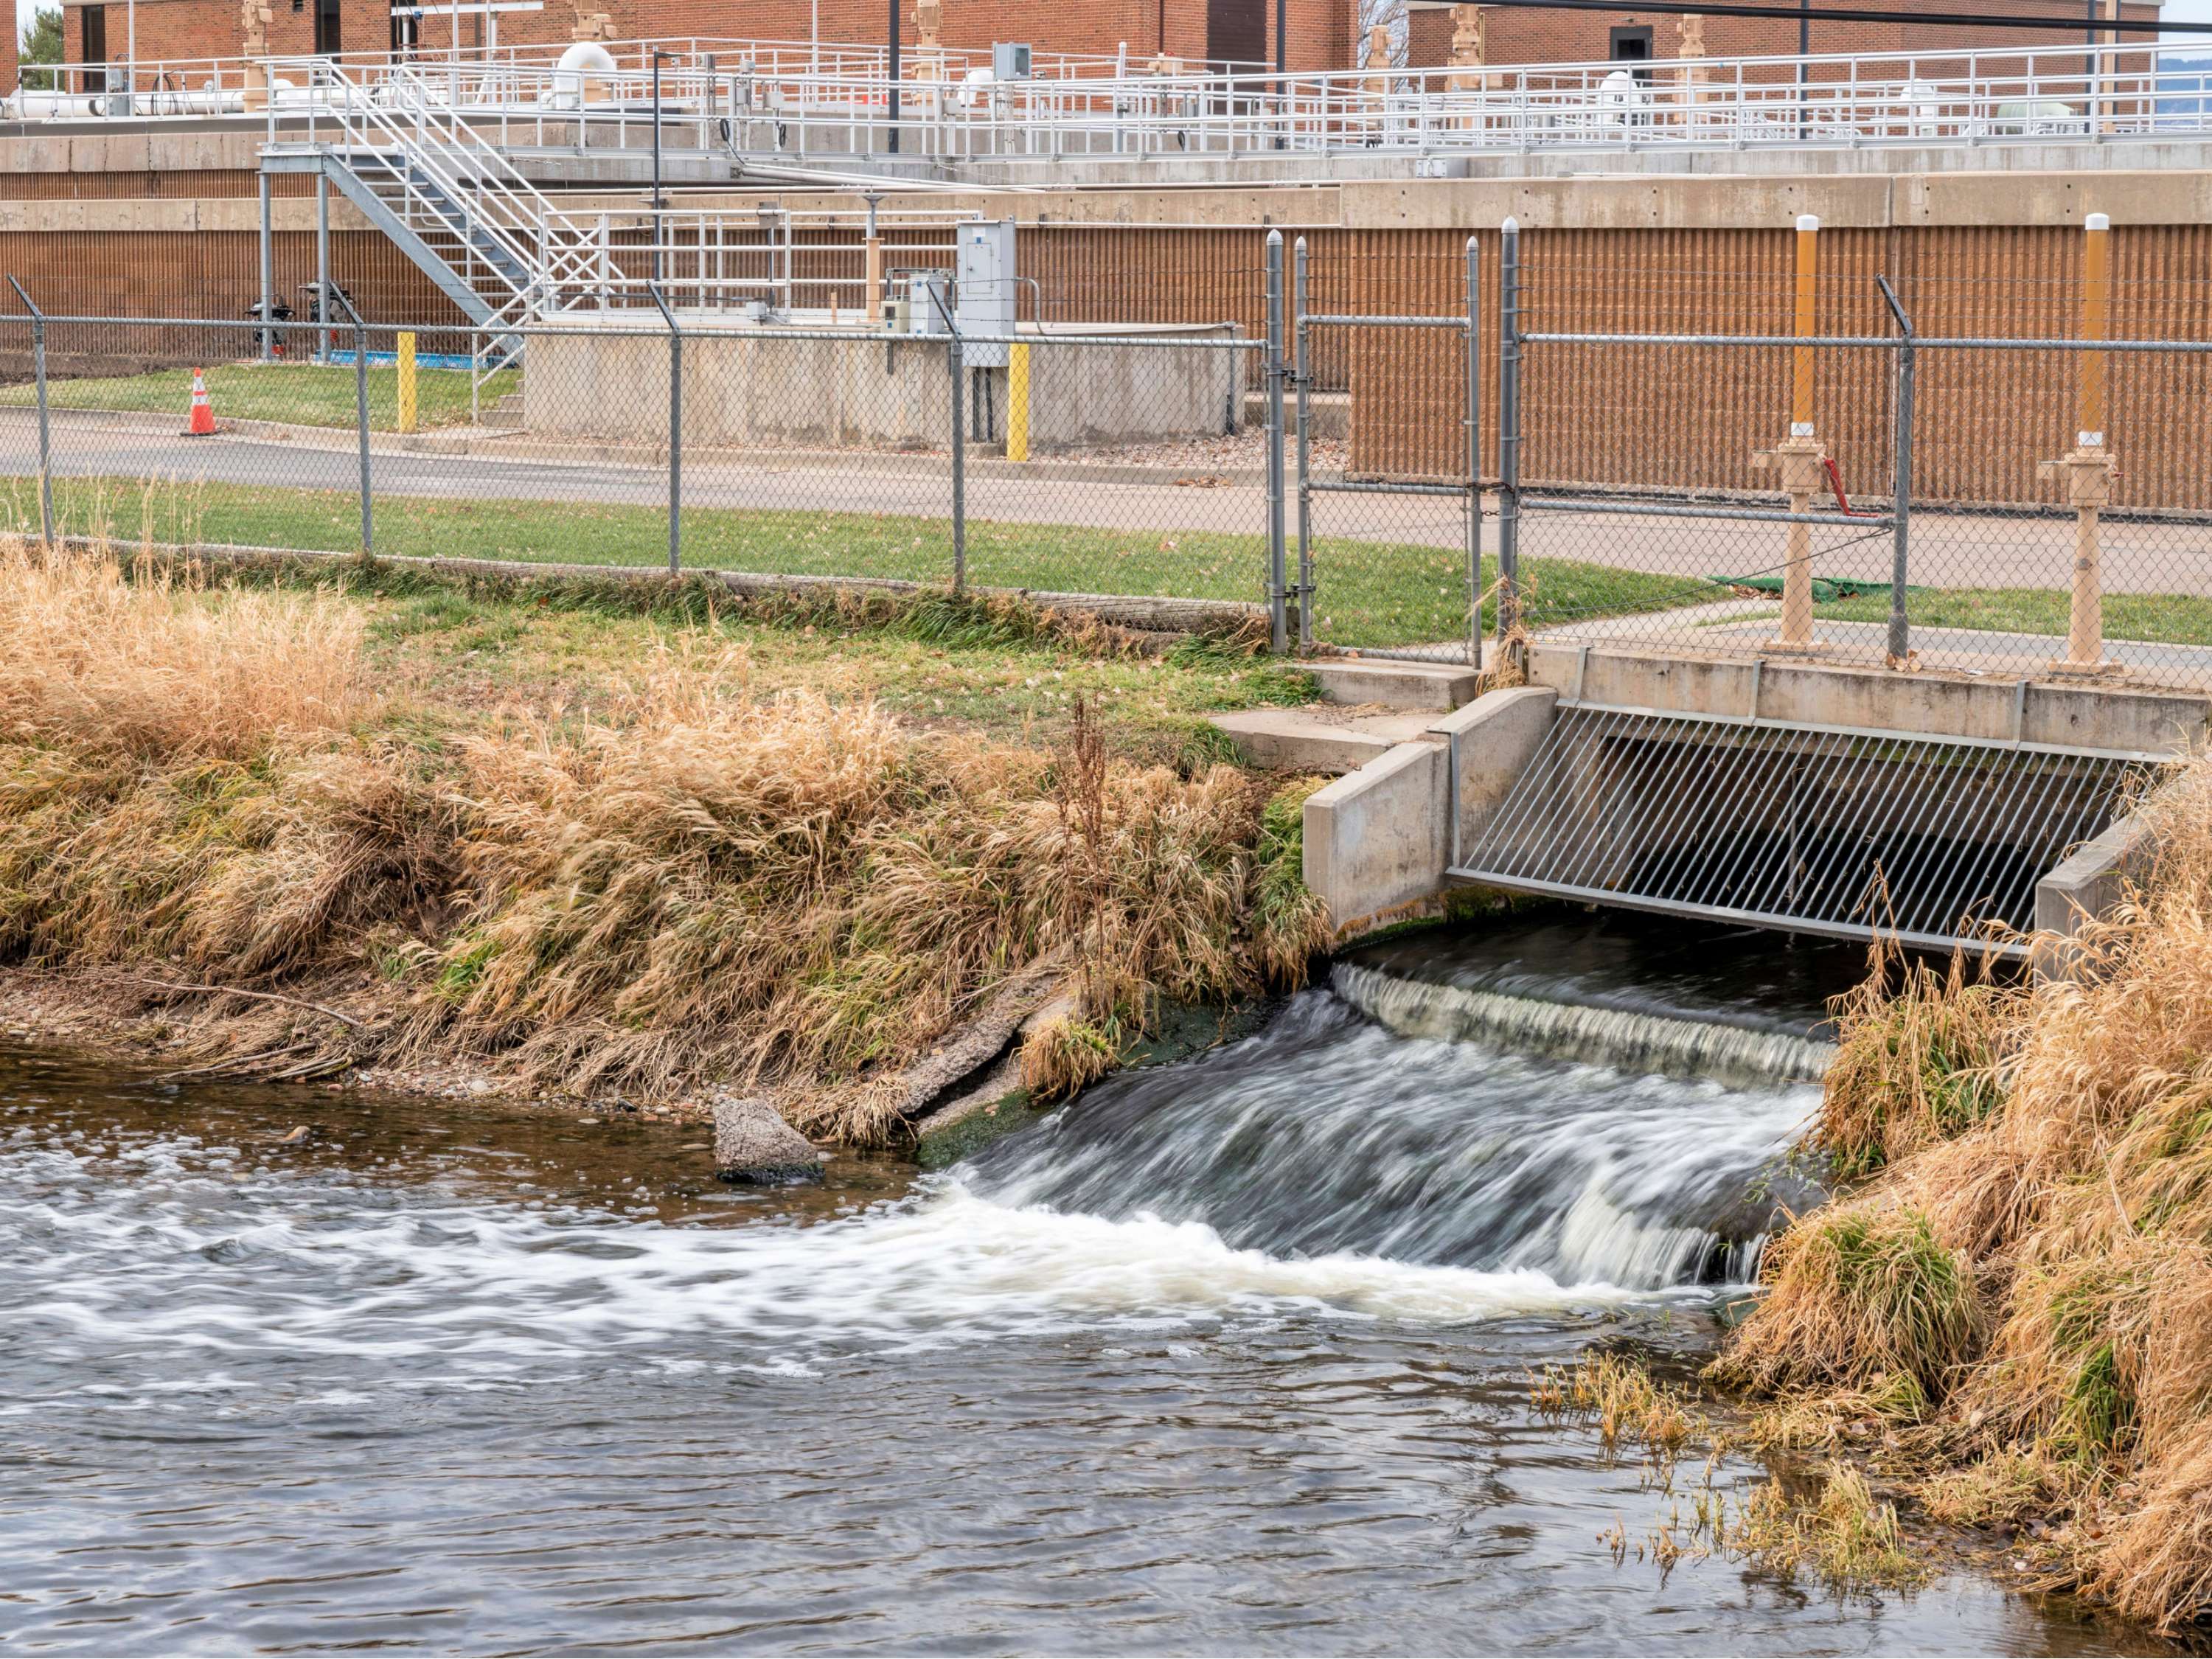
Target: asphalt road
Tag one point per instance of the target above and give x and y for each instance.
(1949, 550)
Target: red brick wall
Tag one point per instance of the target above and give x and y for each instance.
(1320, 30)
(1526, 36)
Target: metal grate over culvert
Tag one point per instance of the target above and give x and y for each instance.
(1819, 829)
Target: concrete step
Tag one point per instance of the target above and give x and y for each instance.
(1328, 413)
(1317, 739)
(1438, 687)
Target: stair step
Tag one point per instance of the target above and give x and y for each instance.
(1317, 739)
(1437, 687)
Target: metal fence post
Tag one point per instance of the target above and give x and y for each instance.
(1304, 380)
(957, 372)
(45, 425)
(1474, 454)
(1277, 583)
(359, 410)
(675, 431)
(1901, 626)
(268, 302)
(322, 266)
(1508, 429)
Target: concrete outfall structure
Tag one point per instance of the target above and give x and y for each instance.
(1381, 841)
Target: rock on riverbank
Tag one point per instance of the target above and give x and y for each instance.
(753, 1143)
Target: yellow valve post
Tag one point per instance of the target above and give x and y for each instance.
(1801, 357)
(1798, 459)
(406, 366)
(2087, 468)
(1018, 403)
(2096, 325)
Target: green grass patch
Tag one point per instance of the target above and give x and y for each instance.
(1372, 593)
(2154, 618)
(303, 394)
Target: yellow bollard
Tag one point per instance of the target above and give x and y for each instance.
(1798, 457)
(1018, 403)
(406, 364)
(2087, 467)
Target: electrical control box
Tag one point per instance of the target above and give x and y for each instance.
(987, 289)
(1010, 60)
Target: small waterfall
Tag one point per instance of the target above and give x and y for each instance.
(1625, 1039)
(1333, 1135)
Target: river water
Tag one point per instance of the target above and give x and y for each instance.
(1233, 1356)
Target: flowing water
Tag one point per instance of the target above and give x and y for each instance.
(1231, 1356)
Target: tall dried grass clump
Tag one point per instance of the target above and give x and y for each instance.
(153, 663)
(693, 886)
(2045, 1197)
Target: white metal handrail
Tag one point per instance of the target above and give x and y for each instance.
(421, 140)
(787, 96)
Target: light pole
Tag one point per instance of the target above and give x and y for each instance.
(1282, 83)
(895, 77)
(658, 56)
(1804, 69)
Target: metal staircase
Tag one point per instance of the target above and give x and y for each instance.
(460, 211)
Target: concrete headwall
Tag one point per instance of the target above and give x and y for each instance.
(1380, 839)
(2108, 717)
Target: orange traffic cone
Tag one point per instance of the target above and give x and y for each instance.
(203, 422)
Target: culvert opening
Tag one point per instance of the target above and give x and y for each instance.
(1822, 830)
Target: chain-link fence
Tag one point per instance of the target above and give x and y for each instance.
(1057, 462)
(1999, 505)
(1709, 462)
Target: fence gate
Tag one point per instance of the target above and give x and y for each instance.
(1388, 534)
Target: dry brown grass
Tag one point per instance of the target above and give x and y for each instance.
(158, 666)
(2041, 1263)
(1851, 1539)
(693, 885)
(1917, 1053)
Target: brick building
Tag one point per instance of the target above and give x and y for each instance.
(1526, 36)
(1217, 30)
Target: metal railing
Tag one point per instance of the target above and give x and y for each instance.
(216, 84)
(777, 98)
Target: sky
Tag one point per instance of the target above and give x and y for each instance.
(2177, 11)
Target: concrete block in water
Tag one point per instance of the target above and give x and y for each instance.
(1377, 839)
(753, 1143)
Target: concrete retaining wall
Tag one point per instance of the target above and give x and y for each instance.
(2090, 882)
(741, 388)
(1377, 841)
(2108, 717)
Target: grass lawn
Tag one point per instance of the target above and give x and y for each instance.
(2159, 618)
(450, 649)
(304, 394)
(1370, 593)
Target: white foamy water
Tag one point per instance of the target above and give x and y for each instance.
(1329, 1135)
(1623, 1038)
(175, 1250)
